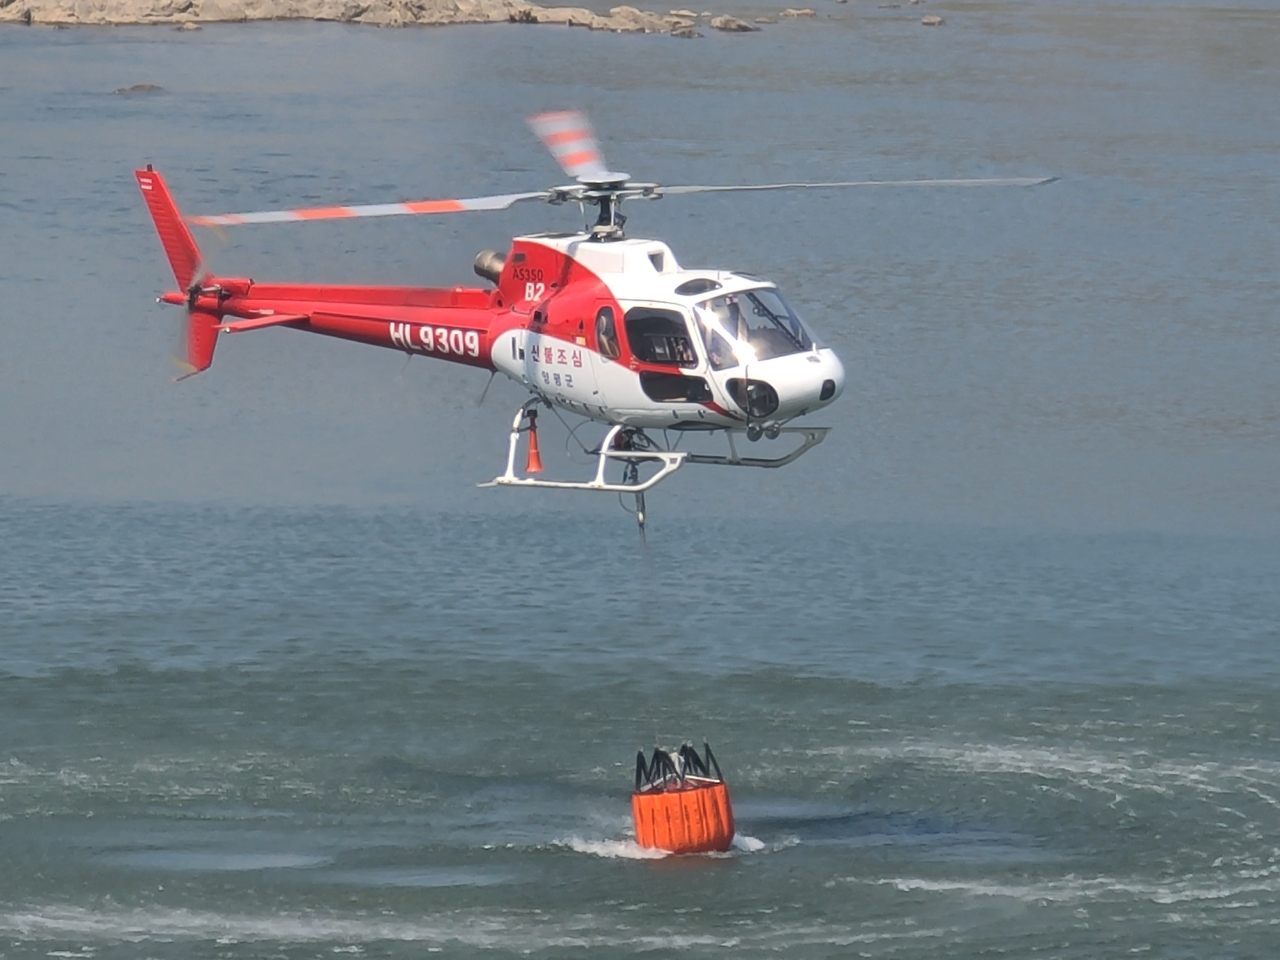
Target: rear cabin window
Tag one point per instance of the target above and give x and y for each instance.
(660, 336)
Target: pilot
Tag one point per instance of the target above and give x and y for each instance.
(736, 325)
(719, 354)
(715, 352)
(718, 351)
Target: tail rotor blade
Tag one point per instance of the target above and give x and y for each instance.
(497, 202)
(569, 137)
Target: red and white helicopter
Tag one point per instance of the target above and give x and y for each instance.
(594, 323)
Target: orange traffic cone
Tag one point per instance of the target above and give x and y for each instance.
(534, 463)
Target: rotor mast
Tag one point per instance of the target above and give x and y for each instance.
(606, 191)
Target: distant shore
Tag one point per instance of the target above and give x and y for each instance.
(190, 14)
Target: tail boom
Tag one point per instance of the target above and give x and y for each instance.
(454, 324)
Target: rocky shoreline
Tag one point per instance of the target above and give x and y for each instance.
(190, 14)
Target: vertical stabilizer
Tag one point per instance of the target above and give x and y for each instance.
(179, 247)
(201, 338)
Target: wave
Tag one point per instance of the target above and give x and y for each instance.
(205, 861)
(614, 849)
(630, 850)
(504, 931)
(1139, 771)
(1074, 889)
(471, 930)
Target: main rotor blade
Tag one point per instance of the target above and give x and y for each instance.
(498, 202)
(569, 137)
(999, 182)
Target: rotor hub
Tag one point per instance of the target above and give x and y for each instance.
(605, 179)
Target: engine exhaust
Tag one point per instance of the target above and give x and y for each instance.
(488, 264)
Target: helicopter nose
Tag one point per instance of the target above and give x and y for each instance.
(801, 383)
(833, 382)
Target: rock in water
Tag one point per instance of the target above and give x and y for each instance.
(732, 25)
(932, 20)
(140, 88)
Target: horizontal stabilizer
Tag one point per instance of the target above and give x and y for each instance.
(258, 323)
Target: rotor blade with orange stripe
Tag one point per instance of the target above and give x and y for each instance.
(992, 182)
(497, 202)
(569, 137)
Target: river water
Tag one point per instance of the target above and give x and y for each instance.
(991, 671)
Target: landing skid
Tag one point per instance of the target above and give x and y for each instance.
(633, 448)
(810, 438)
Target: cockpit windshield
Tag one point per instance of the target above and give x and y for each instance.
(749, 326)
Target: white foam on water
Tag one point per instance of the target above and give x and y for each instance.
(1139, 771)
(503, 931)
(422, 876)
(614, 849)
(206, 861)
(1073, 889)
(156, 923)
(630, 850)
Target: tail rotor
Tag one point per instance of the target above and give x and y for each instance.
(199, 333)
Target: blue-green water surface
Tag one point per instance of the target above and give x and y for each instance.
(992, 671)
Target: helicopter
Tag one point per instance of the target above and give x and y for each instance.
(596, 324)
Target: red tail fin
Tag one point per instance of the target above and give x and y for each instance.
(181, 249)
(184, 257)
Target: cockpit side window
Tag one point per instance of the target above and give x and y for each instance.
(717, 339)
(607, 333)
(660, 336)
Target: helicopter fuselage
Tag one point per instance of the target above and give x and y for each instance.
(615, 331)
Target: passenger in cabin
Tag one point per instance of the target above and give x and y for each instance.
(682, 350)
(607, 334)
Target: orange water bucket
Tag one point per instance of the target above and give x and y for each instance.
(679, 806)
(696, 818)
